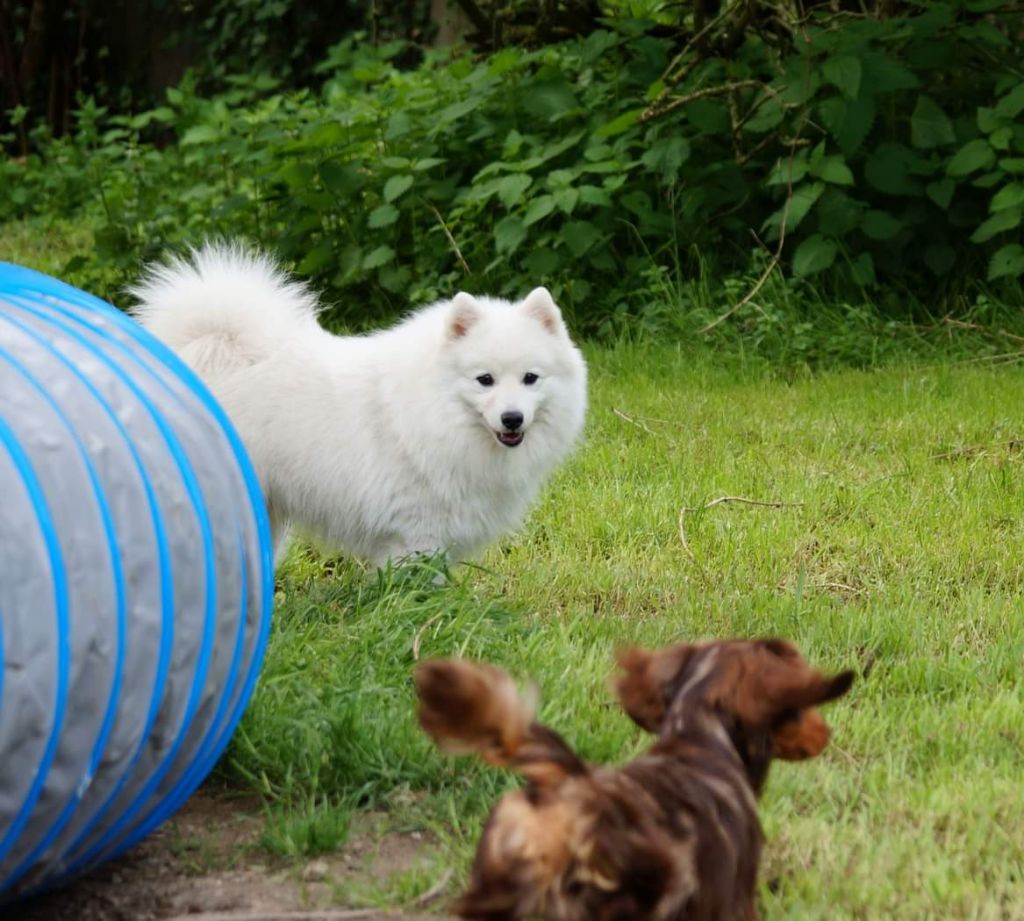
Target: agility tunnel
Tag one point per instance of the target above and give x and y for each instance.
(136, 582)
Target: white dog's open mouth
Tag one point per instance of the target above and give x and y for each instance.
(510, 439)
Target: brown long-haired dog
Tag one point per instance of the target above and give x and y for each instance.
(673, 835)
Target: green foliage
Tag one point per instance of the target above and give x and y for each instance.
(593, 166)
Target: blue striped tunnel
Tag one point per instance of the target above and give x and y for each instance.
(136, 582)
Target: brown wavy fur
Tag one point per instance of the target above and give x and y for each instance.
(673, 836)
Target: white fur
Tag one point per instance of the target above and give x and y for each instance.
(382, 444)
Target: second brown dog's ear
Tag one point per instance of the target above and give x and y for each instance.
(642, 688)
(809, 689)
(639, 693)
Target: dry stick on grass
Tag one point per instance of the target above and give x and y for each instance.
(721, 500)
(419, 636)
(977, 327)
(434, 891)
(632, 421)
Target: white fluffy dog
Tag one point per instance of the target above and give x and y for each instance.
(433, 435)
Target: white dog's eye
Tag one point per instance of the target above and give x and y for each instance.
(485, 380)
(530, 378)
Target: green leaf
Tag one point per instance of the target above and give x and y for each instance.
(844, 71)
(580, 236)
(509, 232)
(397, 186)
(863, 269)
(384, 216)
(803, 200)
(769, 115)
(539, 208)
(888, 170)
(973, 156)
(549, 97)
(316, 258)
(566, 199)
(1000, 221)
(1009, 196)
(427, 163)
(879, 225)
(542, 261)
(1000, 138)
(382, 255)
(1007, 260)
(929, 125)
(833, 169)
(815, 254)
(787, 172)
(199, 134)
(941, 192)
(987, 120)
(340, 178)
(989, 180)
(617, 125)
(666, 156)
(595, 196)
(511, 188)
(1012, 164)
(1012, 104)
(848, 120)
(882, 74)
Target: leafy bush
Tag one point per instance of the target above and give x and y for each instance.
(869, 149)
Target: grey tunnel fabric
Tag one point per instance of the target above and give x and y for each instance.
(136, 582)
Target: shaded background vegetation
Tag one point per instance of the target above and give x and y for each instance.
(651, 162)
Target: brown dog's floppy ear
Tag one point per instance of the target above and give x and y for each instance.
(467, 707)
(643, 688)
(809, 689)
(802, 732)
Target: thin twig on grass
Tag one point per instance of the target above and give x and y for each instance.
(632, 421)
(977, 327)
(434, 891)
(976, 450)
(419, 636)
(721, 500)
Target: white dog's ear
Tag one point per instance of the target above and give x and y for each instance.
(540, 305)
(464, 314)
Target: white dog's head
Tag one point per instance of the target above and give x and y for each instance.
(516, 366)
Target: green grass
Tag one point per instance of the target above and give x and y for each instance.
(899, 547)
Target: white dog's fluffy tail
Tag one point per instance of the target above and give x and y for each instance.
(223, 307)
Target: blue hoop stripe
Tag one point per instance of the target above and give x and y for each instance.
(56, 561)
(119, 614)
(206, 650)
(166, 583)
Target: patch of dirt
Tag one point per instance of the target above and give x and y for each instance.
(205, 865)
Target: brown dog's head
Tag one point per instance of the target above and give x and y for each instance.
(761, 691)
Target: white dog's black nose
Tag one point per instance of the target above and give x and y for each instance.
(512, 420)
